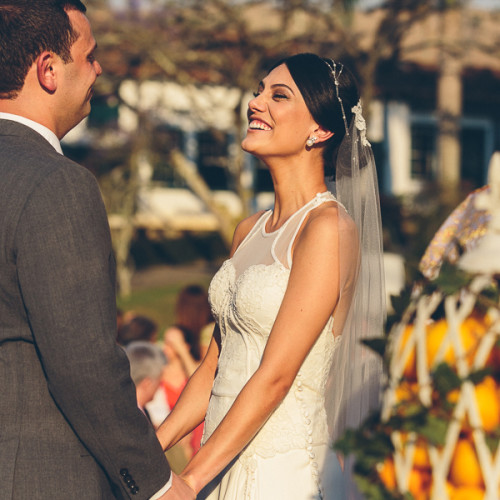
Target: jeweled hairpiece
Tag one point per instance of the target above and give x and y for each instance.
(333, 69)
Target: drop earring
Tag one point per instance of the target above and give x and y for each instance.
(310, 142)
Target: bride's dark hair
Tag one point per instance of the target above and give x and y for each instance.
(313, 76)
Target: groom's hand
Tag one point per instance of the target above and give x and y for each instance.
(179, 490)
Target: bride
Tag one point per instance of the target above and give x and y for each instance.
(291, 302)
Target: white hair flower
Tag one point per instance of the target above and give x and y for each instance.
(360, 123)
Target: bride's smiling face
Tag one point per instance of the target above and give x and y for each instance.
(279, 122)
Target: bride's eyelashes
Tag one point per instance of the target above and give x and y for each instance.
(276, 96)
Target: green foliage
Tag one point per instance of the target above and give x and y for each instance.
(400, 302)
(399, 305)
(369, 445)
(433, 429)
(373, 489)
(377, 345)
(451, 279)
(489, 297)
(445, 379)
(479, 375)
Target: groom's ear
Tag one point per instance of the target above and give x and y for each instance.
(46, 71)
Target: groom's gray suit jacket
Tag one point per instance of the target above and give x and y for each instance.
(69, 424)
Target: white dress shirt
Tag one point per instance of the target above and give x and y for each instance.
(46, 133)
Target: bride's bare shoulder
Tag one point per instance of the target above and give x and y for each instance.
(328, 223)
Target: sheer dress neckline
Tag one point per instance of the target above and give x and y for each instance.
(324, 195)
(261, 247)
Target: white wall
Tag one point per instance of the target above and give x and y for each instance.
(399, 140)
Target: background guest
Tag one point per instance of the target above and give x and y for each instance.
(138, 328)
(182, 348)
(192, 312)
(147, 363)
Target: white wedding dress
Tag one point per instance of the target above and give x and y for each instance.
(290, 457)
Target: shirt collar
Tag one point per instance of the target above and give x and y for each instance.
(46, 133)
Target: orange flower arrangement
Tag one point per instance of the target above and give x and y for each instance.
(437, 435)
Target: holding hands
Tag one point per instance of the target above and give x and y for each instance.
(180, 490)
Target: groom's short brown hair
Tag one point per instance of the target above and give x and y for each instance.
(27, 28)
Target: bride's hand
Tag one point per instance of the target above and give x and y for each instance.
(189, 480)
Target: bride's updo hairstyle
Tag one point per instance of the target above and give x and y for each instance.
(314, 76)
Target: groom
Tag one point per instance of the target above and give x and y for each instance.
(69, 422)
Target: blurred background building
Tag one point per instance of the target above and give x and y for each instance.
(170, 111)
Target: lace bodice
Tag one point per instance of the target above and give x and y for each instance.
(245, 297)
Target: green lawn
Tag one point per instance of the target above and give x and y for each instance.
(156, 303)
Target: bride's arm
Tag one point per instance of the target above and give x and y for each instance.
(191, 407)
(309, 301)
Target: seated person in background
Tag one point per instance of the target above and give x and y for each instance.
(120, 319)
(138, 328)
(192, 312)
(147, 363)
(182, 347)
(182, 350)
